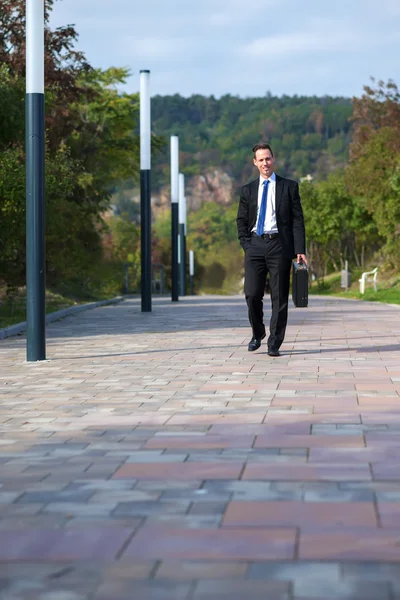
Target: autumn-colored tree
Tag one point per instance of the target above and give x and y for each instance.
(64, 65)
(377, 109)
(374, 159)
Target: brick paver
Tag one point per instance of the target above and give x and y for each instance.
(153, 457)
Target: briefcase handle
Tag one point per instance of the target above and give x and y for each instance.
(301, 264)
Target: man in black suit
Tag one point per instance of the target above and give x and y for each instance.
(271, 232)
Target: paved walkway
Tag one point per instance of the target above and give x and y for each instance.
(154, 458)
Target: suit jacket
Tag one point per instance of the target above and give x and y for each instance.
(289, 215)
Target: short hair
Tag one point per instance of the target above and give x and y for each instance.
(262, 146)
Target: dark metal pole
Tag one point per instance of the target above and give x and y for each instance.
(126, 278)
(35, 183)
(184, 237)
(184, 258)
(182, 240)
(174, 253)
(182, 266)
(174, 217)
(191, 271)
(145, 190)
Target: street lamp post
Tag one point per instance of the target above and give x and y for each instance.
(35, 183)
(191, 271)
(145, 190)
(182, 235)
(174, 216)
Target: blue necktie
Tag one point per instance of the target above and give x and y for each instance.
(263, 209)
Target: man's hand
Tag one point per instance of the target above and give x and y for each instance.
(301, 258)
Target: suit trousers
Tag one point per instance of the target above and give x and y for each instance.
(265, 256)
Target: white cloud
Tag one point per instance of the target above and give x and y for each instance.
(162, 49)
(320, 37)
(215, 47)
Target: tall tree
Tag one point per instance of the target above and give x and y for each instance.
(374, 159)
(92, 145)
(337, 225)
(63, 63)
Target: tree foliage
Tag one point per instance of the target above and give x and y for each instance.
(374, 162)
(308, 134)
(352, 207)
(91, 145)
(338, 227)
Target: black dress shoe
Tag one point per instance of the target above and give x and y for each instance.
(273, 352)
(255, 343)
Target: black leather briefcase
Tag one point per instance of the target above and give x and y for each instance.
(300, 285)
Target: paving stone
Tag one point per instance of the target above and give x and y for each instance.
(38, 521)
(370, 571)
(322, 487)
(88, 521)
(62, 595)
(20, 510)
(244, 490)
(309, 441)
(162, 485)
(376, 486)
(386, 471)
(203, 495)
(126, 570)
(149, 508)
(148, 424)
(186, 521)
(149, 457)
(61, 544)
(339, 496)
(293, 452)
(77, 509)
(99, 485)
(350, 544)
(341, 590)
(194, 570)
(203, 442)
(389, 513)
(300, 514)
(310, 472)
(237, 590)
(58, 496)
(207, 508)
(222, 470)
(8, 497)
(196, 544)
(150, 590)
(123, 496)
(296, 571)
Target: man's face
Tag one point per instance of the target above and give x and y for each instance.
(264, 161)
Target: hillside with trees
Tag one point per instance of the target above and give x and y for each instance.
(309, 135)
(349, 147)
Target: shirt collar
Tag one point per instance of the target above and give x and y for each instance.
(271, 179)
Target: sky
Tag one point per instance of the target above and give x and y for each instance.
(238, 47)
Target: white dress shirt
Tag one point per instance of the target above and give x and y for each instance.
(270, 225)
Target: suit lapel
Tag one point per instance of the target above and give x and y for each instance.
(253, 204)
(254, 190)
(278, 192)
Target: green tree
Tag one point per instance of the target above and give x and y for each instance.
(92, 145)
(213, 237)
(374, 159)
(337, 225)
